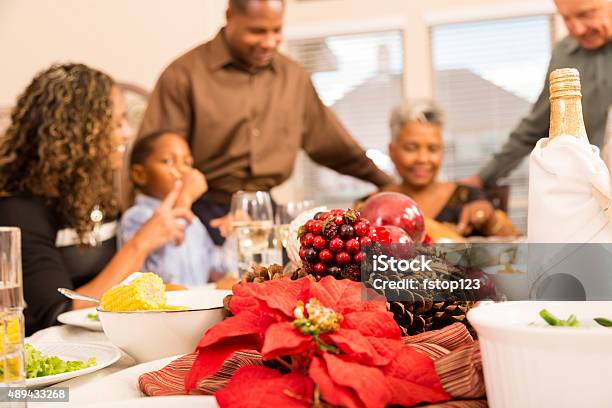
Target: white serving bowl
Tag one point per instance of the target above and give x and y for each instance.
(543, 366)
(151, 335)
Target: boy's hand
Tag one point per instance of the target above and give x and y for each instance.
(194, 185)
(163, 226)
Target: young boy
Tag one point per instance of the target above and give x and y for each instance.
(156, 163)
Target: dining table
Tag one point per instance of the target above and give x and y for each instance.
(112, 386)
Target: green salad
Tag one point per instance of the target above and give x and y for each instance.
(39, 365)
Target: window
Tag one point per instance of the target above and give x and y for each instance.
(359, 76)
(486, 76)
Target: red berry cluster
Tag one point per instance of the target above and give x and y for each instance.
(331, 243)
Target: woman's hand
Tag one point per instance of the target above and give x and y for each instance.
(475, 215)
(165, 224)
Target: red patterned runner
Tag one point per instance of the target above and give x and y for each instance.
(456, 356)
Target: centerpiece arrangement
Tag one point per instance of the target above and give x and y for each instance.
(319, 342)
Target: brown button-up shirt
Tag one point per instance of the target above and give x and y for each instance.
(246, 127)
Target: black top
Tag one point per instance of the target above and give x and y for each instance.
(45, 266)
(451, 212)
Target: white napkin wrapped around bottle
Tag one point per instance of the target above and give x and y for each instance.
(569, 193)
(569, 201)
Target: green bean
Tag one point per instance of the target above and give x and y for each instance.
(603, 321)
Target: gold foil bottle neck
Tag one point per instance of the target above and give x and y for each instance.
(565, 104)
(565, 82)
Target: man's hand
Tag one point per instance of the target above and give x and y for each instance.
(224, 224)
(474, 181)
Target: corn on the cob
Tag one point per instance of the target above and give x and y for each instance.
(146, 292)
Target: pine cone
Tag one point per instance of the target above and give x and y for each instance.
(419, 310)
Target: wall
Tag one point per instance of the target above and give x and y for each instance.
(130, 39)
(134, 39)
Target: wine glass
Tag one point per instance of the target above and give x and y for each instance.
(284, 215)
(252, 224)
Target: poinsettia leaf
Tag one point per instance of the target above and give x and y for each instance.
(386, 347)
(330, 391)
(245, 323)
(407, 394)
(278, 294)
(413, 379)
(262, 387)
(368, 383)
(240, 304)
(341, 295)
(377, 324)
(210, 359)
(284, 339)
(245, 303)
(356, 345)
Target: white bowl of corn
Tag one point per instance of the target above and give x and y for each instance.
(146, 322)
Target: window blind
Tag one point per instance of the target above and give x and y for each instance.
(487, 74)
(359, 76)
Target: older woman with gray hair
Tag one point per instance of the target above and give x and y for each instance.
(417, 150)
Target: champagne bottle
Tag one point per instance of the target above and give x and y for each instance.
(566, 104)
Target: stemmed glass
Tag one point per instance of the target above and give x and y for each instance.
(284, 215)
(252, 225)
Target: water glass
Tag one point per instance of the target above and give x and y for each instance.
(11, 309)
(253, 226)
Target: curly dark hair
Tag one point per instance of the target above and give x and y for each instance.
(58, 145)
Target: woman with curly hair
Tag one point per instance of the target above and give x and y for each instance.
(67, 134)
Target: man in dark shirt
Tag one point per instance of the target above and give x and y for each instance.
(588, 47)
(246, 111)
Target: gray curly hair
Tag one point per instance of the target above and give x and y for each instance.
(425, 110)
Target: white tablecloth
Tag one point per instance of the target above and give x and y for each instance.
(78, 335)
(95, 387)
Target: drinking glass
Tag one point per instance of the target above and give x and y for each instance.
(252, 225)
(11, 310)
(284, 215)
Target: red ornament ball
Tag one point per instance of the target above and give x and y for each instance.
(398, 210)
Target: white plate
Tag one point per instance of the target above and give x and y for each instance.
(183, 401)
(105, 356)
(79, 318)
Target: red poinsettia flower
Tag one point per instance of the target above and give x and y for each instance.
(336, 345)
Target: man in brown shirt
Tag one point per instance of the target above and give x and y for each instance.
(246, 110)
